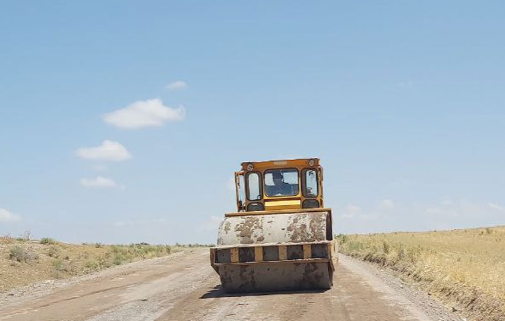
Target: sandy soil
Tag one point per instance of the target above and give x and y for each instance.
(183, 286)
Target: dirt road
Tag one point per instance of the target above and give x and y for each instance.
(184, 287)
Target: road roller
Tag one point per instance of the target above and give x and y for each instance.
(280, 238)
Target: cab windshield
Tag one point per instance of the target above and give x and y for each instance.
(281, 182)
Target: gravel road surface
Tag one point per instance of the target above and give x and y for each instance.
(183, 286)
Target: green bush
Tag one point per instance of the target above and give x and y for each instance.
(47, 241)
(19, 254)
(118, 259)
(58, 265)
(92, 265)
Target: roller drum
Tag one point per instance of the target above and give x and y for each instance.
(275, 228)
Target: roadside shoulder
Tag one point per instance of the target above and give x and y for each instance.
(33, 291)
(389, 283)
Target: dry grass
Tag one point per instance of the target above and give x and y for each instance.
(24, 262)
(463, 268)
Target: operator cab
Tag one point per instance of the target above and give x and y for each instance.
(279, 185)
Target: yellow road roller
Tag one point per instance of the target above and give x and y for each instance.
(280, 238)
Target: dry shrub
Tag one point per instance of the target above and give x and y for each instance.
(22, 255)
(464, 268)
(47, 241)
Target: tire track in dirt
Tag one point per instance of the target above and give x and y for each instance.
(185, 287)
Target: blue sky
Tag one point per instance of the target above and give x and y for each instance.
(403, 101)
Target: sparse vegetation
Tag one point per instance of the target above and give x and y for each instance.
(58, 265)
(27, 261)
(53, 251)
(47, 241)
(463, 268)
(194, 245)
(119, 254)
(20, 254)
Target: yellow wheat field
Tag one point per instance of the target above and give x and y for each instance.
(463, 268)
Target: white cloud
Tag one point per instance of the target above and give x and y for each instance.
(144, 113)
(108, 151)
(100, 182)
(387, 204)
(444, 214)
(351, 211)
(177, 85)
(6, 216)
(448, 210)
(496, 207)
(100, 168)
(447, 202)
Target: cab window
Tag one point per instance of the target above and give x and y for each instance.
(253, 187)
(239, 180)
(281, 182)
(311, 188)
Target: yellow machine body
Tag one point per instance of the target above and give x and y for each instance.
(281, 236)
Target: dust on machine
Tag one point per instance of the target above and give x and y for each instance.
(280, 238)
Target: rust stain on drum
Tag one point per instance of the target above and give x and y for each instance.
(317, 226)
(246, 229)
(299, 232)
(227, 227)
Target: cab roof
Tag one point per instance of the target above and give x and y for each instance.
(282, 163)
